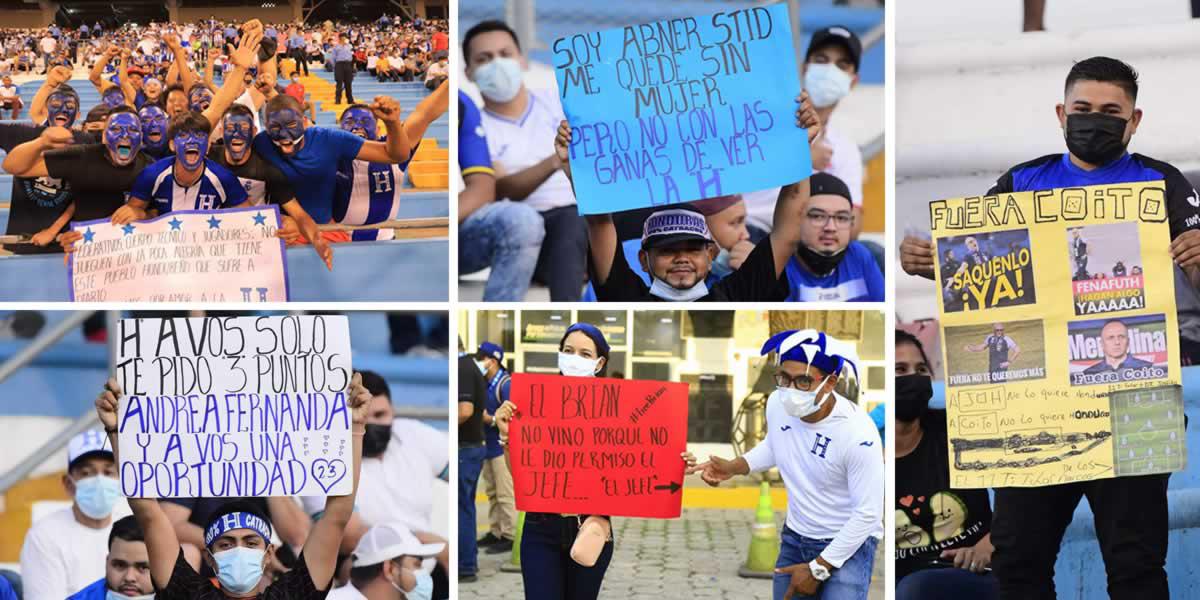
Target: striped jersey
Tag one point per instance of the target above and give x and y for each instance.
(216, 188)
(367, 193)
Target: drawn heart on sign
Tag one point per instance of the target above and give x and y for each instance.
(906, 501)
(328, 472)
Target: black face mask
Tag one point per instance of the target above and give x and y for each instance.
(376, 439)
(1095, 138)
(912, 396)
(820, 264)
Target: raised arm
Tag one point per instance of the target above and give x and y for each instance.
(397, 148)
(28, 160)
(96, 76)
(123, 76)
(789, 207)
(232, 87)
(161, 542)
(180, 63)
(213, 54)
(602, 233)
(427, 111)
(37, 107)
(321, 548)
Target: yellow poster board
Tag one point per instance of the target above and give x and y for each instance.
(1060, 342)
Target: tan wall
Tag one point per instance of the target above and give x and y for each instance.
(280, 14)
(23, 19)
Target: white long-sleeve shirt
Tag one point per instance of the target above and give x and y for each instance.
(61, 556)
(833, 472)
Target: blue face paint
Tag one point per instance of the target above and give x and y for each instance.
(62, 109)
(238, 132)
(154, 127)
(123, 138)
(285, 127)
(190, 148)
(360, 122)
(199, 99)
(113, 97)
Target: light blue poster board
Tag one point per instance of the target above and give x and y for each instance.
(682, 109)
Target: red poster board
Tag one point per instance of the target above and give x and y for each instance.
(587, 445)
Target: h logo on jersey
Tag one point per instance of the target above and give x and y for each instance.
(821, 444)
(383, 181)
(206, 201)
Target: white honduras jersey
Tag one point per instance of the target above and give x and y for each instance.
(833, 472)
(516, 145)
(368, 193)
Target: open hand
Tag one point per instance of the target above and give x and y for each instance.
(324, 250)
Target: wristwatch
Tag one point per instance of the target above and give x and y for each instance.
(819, 571)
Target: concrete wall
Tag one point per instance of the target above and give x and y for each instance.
(281, 13)
(23, 19)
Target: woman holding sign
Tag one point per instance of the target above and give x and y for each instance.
(565, 557)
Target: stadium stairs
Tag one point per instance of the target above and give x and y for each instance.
(861, 115)
(413, 267)
(68, 375)
(1079, 573)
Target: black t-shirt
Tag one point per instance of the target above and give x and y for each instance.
(471, 388)
(187, 584)
(755, 281)
(264, 182)
(100, 187)
(931, 517)
(36, 201)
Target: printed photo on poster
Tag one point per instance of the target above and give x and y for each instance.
(986, 270)
(1148, 426)
(1107, 351)
(995, 353)
(1106, 268)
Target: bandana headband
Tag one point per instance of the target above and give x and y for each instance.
(237, 520)
(813, 348)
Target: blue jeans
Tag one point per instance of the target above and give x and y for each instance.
(470, 463)
(506, 236)
(851, 582)
(547, 569)
(947, 584)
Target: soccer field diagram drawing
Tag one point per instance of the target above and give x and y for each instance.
(1148, 430)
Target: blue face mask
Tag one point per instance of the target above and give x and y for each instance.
(360, 122)
(96, 495)
(500, 79)
(111, 595)
(62, 109)
(286, 128)
(123, 138)
(238, 133)
(190, 148)
(199, 99)
(154, 127)
(423, 589)
(239, 569)
(113, 97)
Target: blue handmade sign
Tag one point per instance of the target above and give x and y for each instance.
(682, 109)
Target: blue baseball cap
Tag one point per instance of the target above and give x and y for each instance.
(490, 350)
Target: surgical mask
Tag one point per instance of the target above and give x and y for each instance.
(573, 365)
(482, 366)
(912, 396)
(62, 105)
(826, 84)
(111, 595)
(375, 440)
(423, 589)
(357, 120)
(500, 79)
(238, 128)
(1095, 138)
(798, 403)
(154, 121)
(239, 569)
(95, 496)
(123, 138)
(190, 148)
(660, 289)
(819, 263)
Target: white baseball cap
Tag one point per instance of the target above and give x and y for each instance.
(88, 442)
(391, 540)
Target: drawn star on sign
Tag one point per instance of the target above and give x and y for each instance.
(88, 235)
(214, 222)
(128, 228)
(175, 223)
(260, 219)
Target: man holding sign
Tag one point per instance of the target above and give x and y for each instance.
(830, 457)
(238, 538)
(1098, 117)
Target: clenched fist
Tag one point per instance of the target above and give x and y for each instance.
(386, 108)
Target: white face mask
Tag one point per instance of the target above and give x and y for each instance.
(660, 289)
(573, 365)
(799, 403)
(500, 79)
(826, 84)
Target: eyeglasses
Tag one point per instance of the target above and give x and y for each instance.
(820, 218)
(799, 382)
